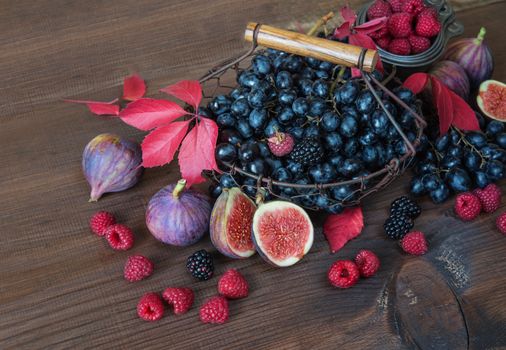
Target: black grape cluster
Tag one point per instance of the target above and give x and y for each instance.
(335, 121)
(460, 161)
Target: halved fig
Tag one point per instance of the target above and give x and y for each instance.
(282, 233)
(492, 99)
(231, 221)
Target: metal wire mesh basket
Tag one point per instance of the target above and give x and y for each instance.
(221, 79)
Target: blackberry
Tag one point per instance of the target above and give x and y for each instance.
(397, 226)
(405, 206)
(200, 265)
(307, 152)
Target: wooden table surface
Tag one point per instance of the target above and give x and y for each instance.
(62, 287)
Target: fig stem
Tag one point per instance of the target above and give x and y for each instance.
(259, 199)
(95, 195)
(179, 188)
(481, 36)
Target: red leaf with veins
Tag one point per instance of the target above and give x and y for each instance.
(441, 95)
(464, 117)
(416, 82)
(188, 91)
(133, 88)
(348, 14)
(148, 113)
(160, 145)
(197, 151)
(342, 31)
(99, 108)
(371, 26)
(340, 228)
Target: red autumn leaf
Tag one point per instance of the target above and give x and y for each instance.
(133, 88)
(371, 26)
(99, 108)
(364, 41)
(443, 101)
(340, 228)
(348, 14)
(188, 91)
(342, 31)
(148, 113)
(103, 109)
(464, 117)
(160, 145)
(416, 82)
(197, 151)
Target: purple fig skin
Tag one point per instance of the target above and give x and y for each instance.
(453, 76)
(178, 216)
(111, 164)
(474, 56)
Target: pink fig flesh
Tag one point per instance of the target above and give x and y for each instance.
(230, 226)
(282, 233)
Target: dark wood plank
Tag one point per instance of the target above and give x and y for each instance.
(61, 287)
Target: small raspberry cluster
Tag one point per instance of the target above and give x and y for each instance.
(231, 285)
(119, 237)
(346, 273)
(411, 26)
(469, 205)
(150, 307)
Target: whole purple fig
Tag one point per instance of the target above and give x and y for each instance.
(111, 164)
(453, 76)
(474, 56)
(178, 216)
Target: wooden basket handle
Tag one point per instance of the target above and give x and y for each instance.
(309, 46)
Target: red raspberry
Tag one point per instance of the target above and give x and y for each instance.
(413, 7)
(428, 11)
(414, 243)
(281, 144)
(418, 44)
(120, 237)
(400, 25)
(427, 26)
(380, 33)
(384, 42)
(150, 307)
(380, 8)
(467, 206)
(137, 268)
(233, 285)
(400, 47)
(368, 263)
(490, 197)
(501, 223)
(101, 221)
(396, 5)
(343, 274)
(180, 298)
(214, 310)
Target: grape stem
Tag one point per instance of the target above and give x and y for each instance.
(321, 22)
(471, 146)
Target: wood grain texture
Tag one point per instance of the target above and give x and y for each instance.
(310, 46)
(61, 287)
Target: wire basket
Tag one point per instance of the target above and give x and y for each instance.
(222, 77)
